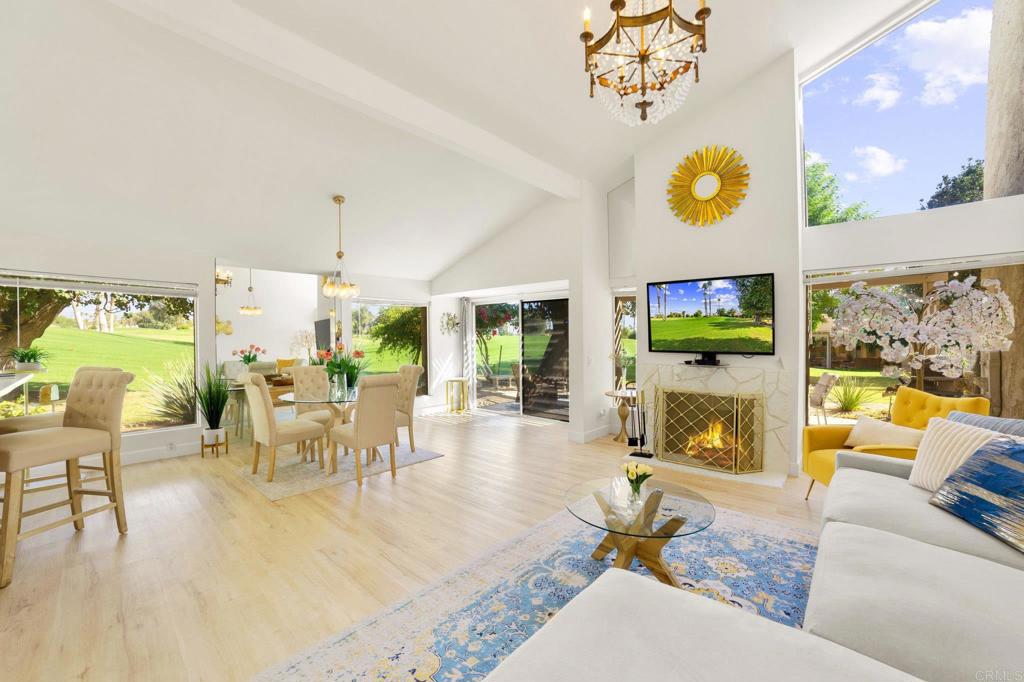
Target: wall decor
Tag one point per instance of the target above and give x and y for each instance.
(450, 324)
(708, 185)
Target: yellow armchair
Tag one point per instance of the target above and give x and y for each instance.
(910, 407)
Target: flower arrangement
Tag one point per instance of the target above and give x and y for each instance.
(636, 474)
(945, 329)
(248, 355)
(339, 363)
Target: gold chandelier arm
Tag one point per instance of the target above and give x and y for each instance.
(666, 12)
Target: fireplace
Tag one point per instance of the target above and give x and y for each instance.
(723, 432)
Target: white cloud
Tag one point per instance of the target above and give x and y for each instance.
(814, 157)
(852, 177)
(876, 162)
(884, 91)
(951, 54)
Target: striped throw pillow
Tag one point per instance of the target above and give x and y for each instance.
(945, 446)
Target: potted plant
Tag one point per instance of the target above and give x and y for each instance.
(212, 398)
(30, 358)
(248, 355)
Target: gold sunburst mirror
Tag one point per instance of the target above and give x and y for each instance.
(708, 185)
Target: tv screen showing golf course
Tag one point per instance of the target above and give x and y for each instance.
(727, 315)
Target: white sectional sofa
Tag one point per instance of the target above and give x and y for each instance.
(902, 590)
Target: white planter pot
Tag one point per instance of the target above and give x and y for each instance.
(28, 366)
(213, 436)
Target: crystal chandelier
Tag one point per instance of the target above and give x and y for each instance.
(250, 308)
(338, 284)
(643, 67)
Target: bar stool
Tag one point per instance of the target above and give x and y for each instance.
(91, 424)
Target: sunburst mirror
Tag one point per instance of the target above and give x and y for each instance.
(708, 185)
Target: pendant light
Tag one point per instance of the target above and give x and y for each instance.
(250, 307)
(338, 285)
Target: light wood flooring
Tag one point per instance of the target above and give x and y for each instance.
(215, 582)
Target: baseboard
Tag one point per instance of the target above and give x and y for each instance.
(592, 434)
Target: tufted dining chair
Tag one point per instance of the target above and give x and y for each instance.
(373, 424)
(310, 383)
(91, 423)
(266, 430)
(408, 381)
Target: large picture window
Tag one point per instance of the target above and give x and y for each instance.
(391, 335)
(934, 330)
(145, 329)
(900, 125)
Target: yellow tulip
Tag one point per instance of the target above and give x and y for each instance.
(631, 474)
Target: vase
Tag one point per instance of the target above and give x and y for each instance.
(635, 502)
(213, 436)
(28, 366)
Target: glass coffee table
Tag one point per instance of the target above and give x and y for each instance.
(639, 528)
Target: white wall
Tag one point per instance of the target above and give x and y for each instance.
(560, 240)
(983, 228)
(289, 302)
(758, 119)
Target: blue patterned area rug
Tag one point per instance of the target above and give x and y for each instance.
(461, 627)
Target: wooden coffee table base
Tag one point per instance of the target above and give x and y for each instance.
(646, 550)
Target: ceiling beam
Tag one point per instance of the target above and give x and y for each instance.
(247, 37)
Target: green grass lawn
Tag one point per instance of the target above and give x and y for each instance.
(379, 362)
(143, 352)
(727, 334)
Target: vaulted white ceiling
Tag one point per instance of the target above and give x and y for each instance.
(232, 124)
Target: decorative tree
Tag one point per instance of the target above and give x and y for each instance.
(945, 330)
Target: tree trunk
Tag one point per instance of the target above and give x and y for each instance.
(31, 327)
(1004, 176)
(77, 312)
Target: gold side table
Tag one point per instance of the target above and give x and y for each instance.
(626, 398)
(456, 394)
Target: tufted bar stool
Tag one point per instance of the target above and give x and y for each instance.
(311, 383)
(91, 424)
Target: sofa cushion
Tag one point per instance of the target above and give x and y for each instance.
(868, 431)
(1011, 427)
(927, 610)
(891, 504)
(987, 491)
(628, 627)
(945, 446)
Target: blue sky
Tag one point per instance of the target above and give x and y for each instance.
(899, 114)
(688, 296)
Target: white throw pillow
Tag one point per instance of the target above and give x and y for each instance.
(868, 431)
(945, 446)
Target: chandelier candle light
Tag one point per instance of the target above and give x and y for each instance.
(338, 284)
(250, 308)
(643, 67)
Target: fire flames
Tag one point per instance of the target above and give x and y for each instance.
(710, 441)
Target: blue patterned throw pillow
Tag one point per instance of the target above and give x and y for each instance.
(987, 491)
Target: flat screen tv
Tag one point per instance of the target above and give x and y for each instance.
(732, 315)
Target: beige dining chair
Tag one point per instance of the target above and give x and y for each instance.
(309, 383)
(266, 430)
(408, 381)
(91, 424)
(373, 424)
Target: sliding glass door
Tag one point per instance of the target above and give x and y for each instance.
(545, 349)
(498, 358)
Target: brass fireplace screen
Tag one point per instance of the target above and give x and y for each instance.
(723, 432)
